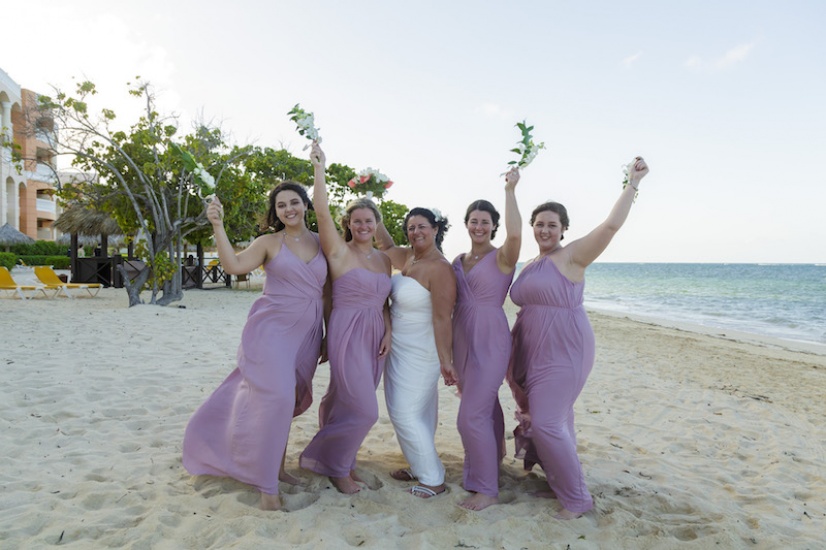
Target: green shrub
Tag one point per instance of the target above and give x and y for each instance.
(57, 262)
(40, 248)
(32, 260)
(61, 262)
(8, 259)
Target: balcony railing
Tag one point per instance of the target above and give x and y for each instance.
(43, 173)
(47, 205)
(45, 136)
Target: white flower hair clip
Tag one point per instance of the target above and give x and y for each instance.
(437, 214)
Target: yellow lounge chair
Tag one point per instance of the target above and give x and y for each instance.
(49, 278)
(7, 285)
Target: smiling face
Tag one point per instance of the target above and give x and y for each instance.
(547, 230)
(479, 226)
(290, 209)
(362, 225)
(420, 233)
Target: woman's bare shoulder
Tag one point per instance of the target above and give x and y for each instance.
(440, 270)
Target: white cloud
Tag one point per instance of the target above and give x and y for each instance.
(631, 59)
(693, 62)
(494, 110)
(735, 55)
(732, 56)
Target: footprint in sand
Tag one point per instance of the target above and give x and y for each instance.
(96, 477)
(373, 482)
(288, 489)
(506, 497)
(299, 501)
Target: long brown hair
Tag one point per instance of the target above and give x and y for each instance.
(272, 218)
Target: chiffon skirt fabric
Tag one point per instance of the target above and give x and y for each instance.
(553, 354)
(241, 430)
(481, 350)
(350, 408)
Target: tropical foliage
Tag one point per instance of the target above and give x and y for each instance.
(154, 182)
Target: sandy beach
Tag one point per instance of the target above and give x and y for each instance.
(688, 440)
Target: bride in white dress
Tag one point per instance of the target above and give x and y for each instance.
(422, 299)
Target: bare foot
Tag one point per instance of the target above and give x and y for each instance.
(567, 514)
(288, 478)
(270, 502)
(355, 477)
(543, 494)
(427, 491)
(478, 502)
(345, 485)
(402, 475)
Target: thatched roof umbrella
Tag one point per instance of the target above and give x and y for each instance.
(86, 240)
(10, 236)
(80, 221)
(91, 223)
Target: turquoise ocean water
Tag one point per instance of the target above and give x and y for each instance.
(786, 301)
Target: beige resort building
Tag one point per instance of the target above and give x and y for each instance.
(27, 200)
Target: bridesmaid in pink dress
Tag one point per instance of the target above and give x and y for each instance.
(482, 341)
(358, 338)
(241, 430)
(553, 344)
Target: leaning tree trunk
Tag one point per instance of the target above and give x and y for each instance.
(133, 288)
(172, 290)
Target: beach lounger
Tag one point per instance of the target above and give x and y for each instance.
(48, 277)
(7, 284)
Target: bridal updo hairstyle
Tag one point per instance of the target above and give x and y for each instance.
(441, 225)
(355, 204)
(272, 220)
(551, 206)
(484, 206)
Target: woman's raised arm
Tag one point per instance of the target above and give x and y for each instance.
(398, 254)
(587, 249)
(508, 253)
(235, 264)
(332, 244)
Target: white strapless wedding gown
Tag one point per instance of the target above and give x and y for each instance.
(411, 378)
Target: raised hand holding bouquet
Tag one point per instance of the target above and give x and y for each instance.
(633, 172)
(370, 182)
(305, 123)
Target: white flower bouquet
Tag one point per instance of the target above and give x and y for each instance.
(198, 172)
(370, 182)
(305, 123)
(526, 148)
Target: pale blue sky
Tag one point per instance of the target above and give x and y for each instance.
(723, 99)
